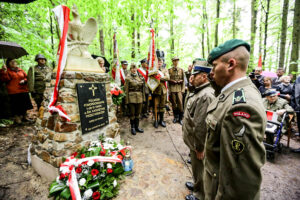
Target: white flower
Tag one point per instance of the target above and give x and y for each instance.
(88, 193)
(82, 181)
(67, 183)
(93, 143)
(115, 183)
(120, 147)
(64, 170)
(90, 149)
(109, 166)
(101, 164)
(90, 163)
(85, 171)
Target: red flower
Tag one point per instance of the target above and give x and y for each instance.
(96, 195)
(71, 167)
(121, 92)
(84, 163)
(82, 156)
(94, 172)
(102, 153)
(123, 152)
(62, 176)
(112, 92)
(116, 92)
(74, 154)
(78, 170)
(120, 157)
(109, 171)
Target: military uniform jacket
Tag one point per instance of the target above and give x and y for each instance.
(234, 151)
(37, 78)
(176, 74)
(278, 105)
(194, 126)
(134, 89)
(147, 91)
(161, 88)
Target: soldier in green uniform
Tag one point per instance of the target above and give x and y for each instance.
(160, 95)
(194, 127)
(36, 79)
(143, 73)
(177, 88)
(135, 96)
(236, 122)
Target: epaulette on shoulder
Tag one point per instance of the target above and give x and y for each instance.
(239, 96)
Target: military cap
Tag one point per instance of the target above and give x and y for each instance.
(39, 56)
(271, 92)
(228, 46)
(175, 58)
(143, 61)
(124, 62)
(201, 66)
(160, 54)
(196, 59)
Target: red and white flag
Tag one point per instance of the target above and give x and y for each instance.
(62, 14)
(271, 116)
(116, 73)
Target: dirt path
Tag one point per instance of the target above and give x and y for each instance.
(160, 171)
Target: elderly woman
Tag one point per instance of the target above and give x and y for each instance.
(135, 96)
(285, 88)
(16, 84)
(266, 85)
(101, 62)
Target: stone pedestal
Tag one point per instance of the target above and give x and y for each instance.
(56, 138)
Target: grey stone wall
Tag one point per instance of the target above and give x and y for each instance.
(57, 138)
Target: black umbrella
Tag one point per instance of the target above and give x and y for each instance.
(106, 63)
(17, 1)
(11, 50)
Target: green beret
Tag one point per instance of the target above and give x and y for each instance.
(228, 46)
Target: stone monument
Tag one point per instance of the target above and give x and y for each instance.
(84, 92)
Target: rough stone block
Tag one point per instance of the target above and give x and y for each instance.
(60, 137)
(51, 122)
(45, 156)
(78, 75)
(44, 169)
(65, 127)
(75, 118)
(41, 112)
(89, 79)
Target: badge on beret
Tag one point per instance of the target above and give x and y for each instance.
(239, 96)
(237, 146)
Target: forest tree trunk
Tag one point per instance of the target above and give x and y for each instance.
(101, 37)
(172, 45)
(266, 32)
(253, 30)
(296, 39)
(217, 23)
(133, 37)
(234, 20)
(283, 34)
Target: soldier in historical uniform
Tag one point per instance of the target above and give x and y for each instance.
(143, 74)
(160, 95)
(236, 122)
(37, 78)
(135, 96)
(177, 88)
(194, 127)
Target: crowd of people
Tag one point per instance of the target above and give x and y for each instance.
(222, 111)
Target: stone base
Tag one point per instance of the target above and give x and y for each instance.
(80, 64)
(44, 169)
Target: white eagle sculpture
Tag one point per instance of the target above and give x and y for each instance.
(80, 35)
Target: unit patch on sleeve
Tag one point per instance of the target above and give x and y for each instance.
(237, 146)
(241, 114)
(238, 96)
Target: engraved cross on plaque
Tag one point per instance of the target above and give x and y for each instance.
(93, 88)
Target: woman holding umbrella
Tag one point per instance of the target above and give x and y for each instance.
(16, 84)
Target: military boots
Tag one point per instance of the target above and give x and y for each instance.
(133, 131)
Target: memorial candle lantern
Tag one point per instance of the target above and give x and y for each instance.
(127, 163)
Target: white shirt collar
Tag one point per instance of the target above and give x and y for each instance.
(232, 83)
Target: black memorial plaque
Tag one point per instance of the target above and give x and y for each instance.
(92, 106)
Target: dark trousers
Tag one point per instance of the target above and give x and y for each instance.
(135, 110)
(146, 104)
(176, 100)
(198, 169)
(38, 98)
